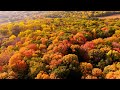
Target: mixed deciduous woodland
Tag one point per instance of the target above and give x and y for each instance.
(59, 45)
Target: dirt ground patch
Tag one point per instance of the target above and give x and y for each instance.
(110, 17)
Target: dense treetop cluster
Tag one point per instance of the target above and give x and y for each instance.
(60, 48)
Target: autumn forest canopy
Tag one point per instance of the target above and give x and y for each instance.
(59, 45)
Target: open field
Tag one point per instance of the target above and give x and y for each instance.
(111, 16)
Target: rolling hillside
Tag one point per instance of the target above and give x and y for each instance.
(60, 45)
